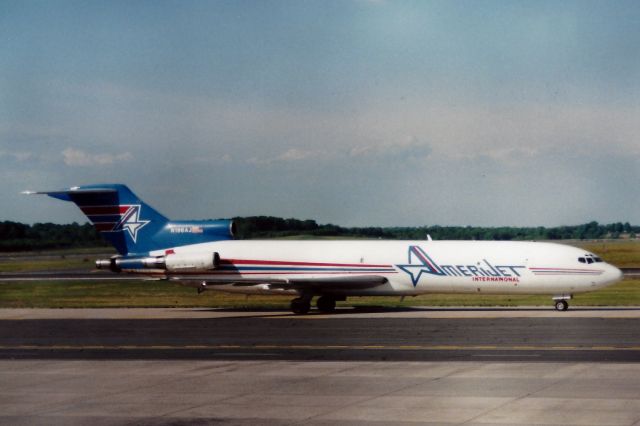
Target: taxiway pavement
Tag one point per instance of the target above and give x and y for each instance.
(413, 334)
(520, 366)
(142, 392)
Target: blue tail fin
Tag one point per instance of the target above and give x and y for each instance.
(135, 228)
(118, 214)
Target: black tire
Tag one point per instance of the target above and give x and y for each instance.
(326, 304)
(300, 306)
(562, 305)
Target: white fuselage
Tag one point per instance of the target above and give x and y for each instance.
(412, 267)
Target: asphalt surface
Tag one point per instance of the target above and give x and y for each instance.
(279, 393)
(524, 366)
(232, 335)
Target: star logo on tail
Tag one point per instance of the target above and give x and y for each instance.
(131, 222)
(419, 263)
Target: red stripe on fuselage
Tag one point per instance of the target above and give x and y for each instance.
(240, 274)
(283, 263)
(565, 270)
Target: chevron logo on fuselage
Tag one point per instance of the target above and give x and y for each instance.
(420, 263)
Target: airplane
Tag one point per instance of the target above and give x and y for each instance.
(204, 255)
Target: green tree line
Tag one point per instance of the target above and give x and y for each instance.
(16, 236)
(273, 227)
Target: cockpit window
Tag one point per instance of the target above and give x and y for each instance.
(589, 258)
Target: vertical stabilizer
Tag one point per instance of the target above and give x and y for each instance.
(118, 214)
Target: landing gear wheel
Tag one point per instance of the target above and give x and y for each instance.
(561, 305)
(326, 304)
(300, 306)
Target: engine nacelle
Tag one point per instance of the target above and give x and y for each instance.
(111, 264)
(171, 262)
(191, 262)
(153, 262)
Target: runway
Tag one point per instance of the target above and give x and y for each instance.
(414, 334)
(358, 367)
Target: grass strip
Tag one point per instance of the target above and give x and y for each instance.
(158, 294)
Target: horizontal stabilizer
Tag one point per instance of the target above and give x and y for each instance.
(65, 194)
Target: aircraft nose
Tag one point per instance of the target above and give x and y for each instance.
(613, 274)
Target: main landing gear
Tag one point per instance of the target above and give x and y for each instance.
(302, 305)
(326, 304)
(561, 302)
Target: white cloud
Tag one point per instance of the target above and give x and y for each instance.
(77, 157)
(435, 160)
(295, 154)
(456, 128)
(405, 149)
(211, 159)
(507, 132)
(290, 155)
(19, 156)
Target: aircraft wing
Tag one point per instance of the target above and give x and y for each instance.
(356, 282)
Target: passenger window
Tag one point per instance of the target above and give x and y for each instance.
(581, 260)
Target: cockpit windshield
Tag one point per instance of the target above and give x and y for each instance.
(589, 258)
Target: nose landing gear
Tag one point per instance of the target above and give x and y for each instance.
(561, 302)
(562, 305)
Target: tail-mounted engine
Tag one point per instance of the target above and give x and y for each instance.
(184, 262)
(175, 262)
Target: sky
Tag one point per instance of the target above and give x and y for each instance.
(358, 113)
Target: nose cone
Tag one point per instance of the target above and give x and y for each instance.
(612, 274)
